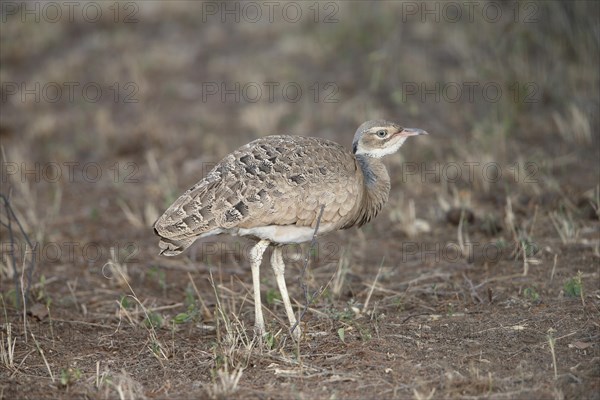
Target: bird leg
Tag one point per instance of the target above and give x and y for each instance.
(279, 269)
(256, 255)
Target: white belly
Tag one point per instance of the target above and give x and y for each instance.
(284, 234)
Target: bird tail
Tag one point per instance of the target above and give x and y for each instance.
(171, 247)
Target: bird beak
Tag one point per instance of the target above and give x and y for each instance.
(412, 132)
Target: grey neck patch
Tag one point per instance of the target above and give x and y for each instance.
(370, 177)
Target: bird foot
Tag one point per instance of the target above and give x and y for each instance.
(297, 332)
(260, 331)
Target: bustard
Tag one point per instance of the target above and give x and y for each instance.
(274, 188)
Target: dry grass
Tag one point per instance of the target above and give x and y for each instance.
(416, 304)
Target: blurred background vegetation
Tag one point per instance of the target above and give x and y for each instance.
(542, 55)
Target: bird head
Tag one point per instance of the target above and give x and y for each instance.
(379, 138)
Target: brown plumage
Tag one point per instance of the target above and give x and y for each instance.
(273, 188)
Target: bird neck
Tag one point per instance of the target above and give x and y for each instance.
(376, 188)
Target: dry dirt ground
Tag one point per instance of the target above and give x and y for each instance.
(480, 278)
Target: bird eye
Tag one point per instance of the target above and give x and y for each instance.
(381, 133)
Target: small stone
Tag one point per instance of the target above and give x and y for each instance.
(38, 311)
